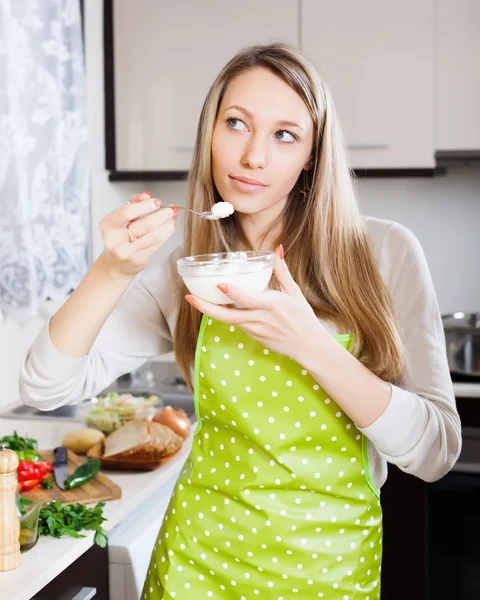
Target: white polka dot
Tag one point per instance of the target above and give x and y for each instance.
(301, 398)
(316, 387)
(216, 338)
(245, 415)
(223, 382)
(237, 373)
(266, 351)
(277, 368)
(274, 394)
(271, 419)
(251, 362)
(226, 356)
(282, 436)
(313, 413)
(240, 346)
(213, 366)
(248, 389)
(260, 404)
(304, 372)
(232, 328)
(204, 349)
(327, 400)
(257, 431)
(298, 424)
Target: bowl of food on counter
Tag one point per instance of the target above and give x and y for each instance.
(111, 411)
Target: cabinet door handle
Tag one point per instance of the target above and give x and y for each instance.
(86, 593)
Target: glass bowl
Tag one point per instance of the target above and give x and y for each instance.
(249, 271)
(110, 411)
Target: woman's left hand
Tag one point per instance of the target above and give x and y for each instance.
(282, 321)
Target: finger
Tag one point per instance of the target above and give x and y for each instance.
(137, 197)
(253, 301)
(144, 225)
(232, 316)
(283, 275)
(156, 237)
(130, 212)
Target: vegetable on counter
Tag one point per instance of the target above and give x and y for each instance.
(26, 448)
(81, 440)
(83, 474)
(110, 412)
(175, 418)
(57, 519)
(30, 474)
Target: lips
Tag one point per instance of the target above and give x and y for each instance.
(248, 181)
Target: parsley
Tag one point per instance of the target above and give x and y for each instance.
(58, 519)
(47, 483)
(22, 504)
(16, 442)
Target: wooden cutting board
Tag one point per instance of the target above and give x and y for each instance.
(99, 489)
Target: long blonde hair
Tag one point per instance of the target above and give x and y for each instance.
(323, 234)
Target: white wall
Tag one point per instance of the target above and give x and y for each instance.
(444, 213)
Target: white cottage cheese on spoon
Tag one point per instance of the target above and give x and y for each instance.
(220, 210)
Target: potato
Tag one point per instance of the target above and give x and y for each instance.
(81, 440)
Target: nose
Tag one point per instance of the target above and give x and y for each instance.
(255, 154)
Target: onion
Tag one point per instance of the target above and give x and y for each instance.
(175, 418)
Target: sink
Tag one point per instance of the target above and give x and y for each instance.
(153, 378)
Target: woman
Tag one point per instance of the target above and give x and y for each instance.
(302, 395)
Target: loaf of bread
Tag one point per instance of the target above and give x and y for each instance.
(142, 440)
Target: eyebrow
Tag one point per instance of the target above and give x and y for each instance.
(250, 116)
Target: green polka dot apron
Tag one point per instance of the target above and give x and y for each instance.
(276, 499)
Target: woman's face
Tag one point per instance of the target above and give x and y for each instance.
(262, 140)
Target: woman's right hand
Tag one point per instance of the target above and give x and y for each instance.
(121, 256)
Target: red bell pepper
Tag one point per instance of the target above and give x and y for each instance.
(31, 474)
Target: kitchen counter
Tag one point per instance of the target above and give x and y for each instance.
(50, 556)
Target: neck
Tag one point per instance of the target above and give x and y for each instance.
(255, 225)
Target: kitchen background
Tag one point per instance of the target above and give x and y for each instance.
(412, 68)
(442, 210)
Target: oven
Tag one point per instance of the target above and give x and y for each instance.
(454, 509)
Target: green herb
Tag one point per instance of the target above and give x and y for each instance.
(58, 519)
(22, 504)
(47, 483)
(15, 442)
(24, 447)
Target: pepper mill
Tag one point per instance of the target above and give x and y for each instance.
(9, 520)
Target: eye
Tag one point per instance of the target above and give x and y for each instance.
(285, 136)
(236, 124)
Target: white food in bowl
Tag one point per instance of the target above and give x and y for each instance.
(249, 271)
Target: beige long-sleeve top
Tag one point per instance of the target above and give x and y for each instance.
(420, 429)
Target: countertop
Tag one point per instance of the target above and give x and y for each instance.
(50, 556)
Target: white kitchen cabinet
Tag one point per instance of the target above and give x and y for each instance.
(458, 74)
(166, 56)
(377, 58)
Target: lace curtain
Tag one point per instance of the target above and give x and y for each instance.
(44, 177)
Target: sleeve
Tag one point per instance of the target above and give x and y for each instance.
(136, 331)
(420, 430)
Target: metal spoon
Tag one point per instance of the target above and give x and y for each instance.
(207, 214)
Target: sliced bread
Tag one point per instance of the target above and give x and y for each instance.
(141, 440)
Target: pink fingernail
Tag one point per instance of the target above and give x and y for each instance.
(191, 300)
(281, 252)
(157, 202)
(223, 288)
